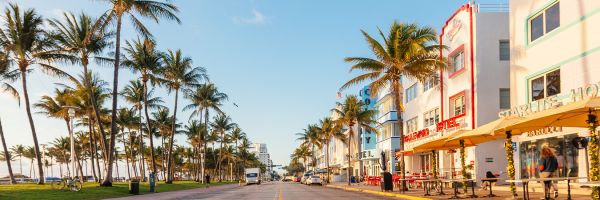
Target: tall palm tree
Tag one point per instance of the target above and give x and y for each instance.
(24, 39)
(54, 107)
(179, 74)
(193, 130)
(207, 97)
(222, 124)
(134, 93)
(62, 146)
(152, 9)
(329, 131)
(127, 119)
(311, 138)
(302, 152)
(353, 113)
(143, 57)
(6, 77)
(80, 44)
(408, 51)
(19, 150)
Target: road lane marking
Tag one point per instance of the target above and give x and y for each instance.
(280, 192)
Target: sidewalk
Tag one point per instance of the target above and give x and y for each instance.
(178, 194)
(501, 192)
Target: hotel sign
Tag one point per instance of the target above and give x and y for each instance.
(590, 90)
(416, 135)
(455, 26)
(450, 123)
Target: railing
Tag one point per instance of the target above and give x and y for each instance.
(487, 7)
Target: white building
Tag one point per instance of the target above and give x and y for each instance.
(555, 51)
(260, 151)
(470, 93)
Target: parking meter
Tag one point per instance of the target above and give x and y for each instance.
(152, 182)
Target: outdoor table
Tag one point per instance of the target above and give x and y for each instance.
(591, 183)
(401, 180)
(489, 180)
(546, 193)
(455, 187)
(426, 185)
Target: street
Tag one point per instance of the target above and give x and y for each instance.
(279, 190)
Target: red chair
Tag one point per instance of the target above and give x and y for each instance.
(377, 180)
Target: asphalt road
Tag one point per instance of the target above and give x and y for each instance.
(279, 191)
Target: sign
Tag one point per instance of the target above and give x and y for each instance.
(416, 135)
(590, 90)
(489, 160)
(544, 131)
(455, 26)
(368, 154)
(449, 123)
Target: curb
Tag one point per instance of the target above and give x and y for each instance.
(378, 193)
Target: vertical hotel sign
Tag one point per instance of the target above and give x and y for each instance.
(369, 140)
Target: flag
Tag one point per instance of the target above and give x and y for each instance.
(339, 95)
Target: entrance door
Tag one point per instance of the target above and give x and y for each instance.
(425, 161)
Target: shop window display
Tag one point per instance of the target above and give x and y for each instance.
(566, 154)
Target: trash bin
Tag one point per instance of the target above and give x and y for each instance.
(152, 182)
(134, 187)
(352, 179)
(386, 182)
(207, 179)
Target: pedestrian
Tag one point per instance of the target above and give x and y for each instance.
(548, 165)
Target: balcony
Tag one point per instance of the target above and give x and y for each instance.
(389, 116)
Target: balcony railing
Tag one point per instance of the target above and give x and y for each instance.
(492, 7)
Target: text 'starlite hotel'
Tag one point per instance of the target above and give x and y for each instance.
(502, 61)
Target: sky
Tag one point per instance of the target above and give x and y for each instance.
(280, 61)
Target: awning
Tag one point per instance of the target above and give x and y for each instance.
(488, 132)
(441, 143)
(571, 115)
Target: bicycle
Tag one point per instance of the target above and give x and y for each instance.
(73, 184)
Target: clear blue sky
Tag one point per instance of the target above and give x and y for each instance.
(280, 61)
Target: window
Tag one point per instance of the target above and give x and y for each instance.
(504, 47)
(431, 82)
(389, 130)
(457, 62)
(504, 98)
(411, 93)
(457, 105)
(411, 125)
(431, 117)
(546, 21)
(545, 85)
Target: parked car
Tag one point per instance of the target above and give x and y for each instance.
(288, 178)
(314, 180)
(306, 176)
(297, 179)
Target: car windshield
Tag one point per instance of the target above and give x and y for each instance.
(251, 175)
(315, 177)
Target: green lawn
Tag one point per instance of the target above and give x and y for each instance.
(89, 191)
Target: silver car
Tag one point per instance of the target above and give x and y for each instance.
(314, 180)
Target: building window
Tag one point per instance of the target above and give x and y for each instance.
(431, 82)
(411, 93)
(457, 62)
(504, 98)
(457, 105)
(431, 117)
(504, 47)
(545, 85)
(546, 21)
(411, 125)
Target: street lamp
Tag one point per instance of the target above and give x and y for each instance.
(71, 113)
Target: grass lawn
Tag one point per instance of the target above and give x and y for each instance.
(89, 191)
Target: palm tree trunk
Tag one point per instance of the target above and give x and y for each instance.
(205, 147)
(36, 146)
(397, 96)
(350, 134)
(21, 164)
(92, 149)
(126, 157)
(88, 86)
(80, 169)
(150, 136)
(7, 156)
(327, 161)
(141, 149)
(220, 155)
(115, 95)
(170, 152)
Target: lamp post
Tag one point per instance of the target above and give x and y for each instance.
(71, 113)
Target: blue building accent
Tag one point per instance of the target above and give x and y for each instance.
(369, 140)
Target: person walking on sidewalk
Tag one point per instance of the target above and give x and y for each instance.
(548, 166)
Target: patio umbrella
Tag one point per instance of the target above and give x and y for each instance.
(441, 143)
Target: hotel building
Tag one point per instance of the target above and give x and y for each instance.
(470, 93)
(555, 53)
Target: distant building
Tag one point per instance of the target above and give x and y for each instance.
(260, 151)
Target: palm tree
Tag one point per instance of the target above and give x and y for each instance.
(193, 130)
(62, 147)
(54, 107)
(30, 153)
(353, 113)
(207, 97)
(126, 119)
(302, 152)
(237, 135)
(145, 8)
(80, 44)
(19, 150)
(24, 39)
(6, 76)
(330, 130)
(144, 58)
(222, 124)
(311, 138)
(179, 74)
(408, 51)
(134, 94)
